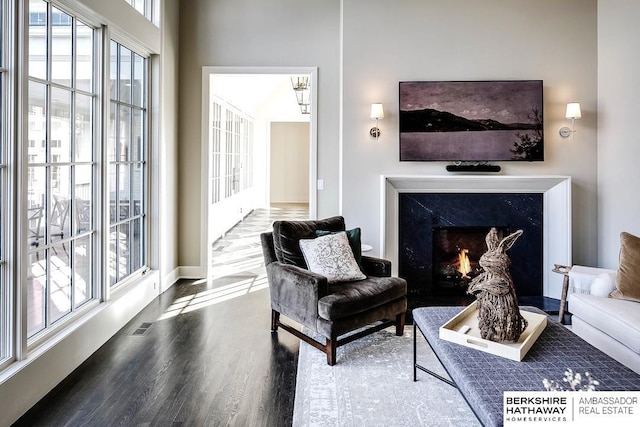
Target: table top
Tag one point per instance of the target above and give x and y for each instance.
(482, 377)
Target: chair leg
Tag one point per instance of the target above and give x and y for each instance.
(331, 351)
(275, 318)
(400, 324)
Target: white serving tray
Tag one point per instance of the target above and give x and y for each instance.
(468, 317)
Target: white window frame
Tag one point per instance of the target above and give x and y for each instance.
(14, 148)
(145, 165)
(150, 9)
(7, 198)
(26, 343)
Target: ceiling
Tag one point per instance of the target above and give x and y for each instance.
(258, 94)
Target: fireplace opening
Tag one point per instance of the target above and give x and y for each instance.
(456, 254)
(463, 221)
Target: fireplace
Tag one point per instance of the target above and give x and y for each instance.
(555, 191)
(456, 255)
(440, 231)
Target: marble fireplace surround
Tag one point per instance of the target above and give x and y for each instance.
(556, 191)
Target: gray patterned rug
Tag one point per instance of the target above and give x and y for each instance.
(372, 385)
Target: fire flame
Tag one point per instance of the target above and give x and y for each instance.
(464, 265)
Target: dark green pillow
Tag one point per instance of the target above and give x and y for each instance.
(354, 241)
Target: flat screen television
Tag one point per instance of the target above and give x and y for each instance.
(471, 121)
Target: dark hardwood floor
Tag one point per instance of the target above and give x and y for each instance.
(207, 356)
(215, 365)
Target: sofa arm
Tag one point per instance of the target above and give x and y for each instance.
(295, 292)
(376, 267)
(591, 280)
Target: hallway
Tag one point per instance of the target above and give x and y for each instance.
(199, 354)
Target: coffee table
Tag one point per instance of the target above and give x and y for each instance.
(482, 378)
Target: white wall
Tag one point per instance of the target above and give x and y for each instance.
(468, 40)
(289, 158)
(235, 33)
(618, 140)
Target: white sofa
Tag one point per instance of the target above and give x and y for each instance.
(612, 325)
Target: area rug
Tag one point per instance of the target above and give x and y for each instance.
(372, 385)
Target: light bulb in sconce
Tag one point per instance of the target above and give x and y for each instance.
(573, 112)
(377, 113)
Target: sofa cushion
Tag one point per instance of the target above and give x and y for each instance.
(628, 279)
(351, 298)
(331, 256)
(617, 318)
(287, 235)
(602, 285)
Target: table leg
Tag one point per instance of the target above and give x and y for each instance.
(563, 298)
(415, 374)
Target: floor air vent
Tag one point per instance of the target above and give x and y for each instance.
(142, 329)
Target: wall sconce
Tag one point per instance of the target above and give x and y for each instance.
(573, 113)
(376, 113)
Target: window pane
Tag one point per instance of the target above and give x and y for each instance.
(84, 57)
(136, 244)
(37, 123)
(138, 135)
(113, 255)
(36, 210)
(38, 39)
(84, 128)
(113, 132)
(124, 250)
(119, 253)
(82, 262)
(124, 133)
(59, 220)
(61, 48)
(113, 194)
(82, 209)
(113, 67)
(59, 281)
(125, 75)
(139, 5)
(36, 292)
(138, 80)
(60, 125)
(124, 191)
(137, 189)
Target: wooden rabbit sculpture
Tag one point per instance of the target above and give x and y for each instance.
(499, 318)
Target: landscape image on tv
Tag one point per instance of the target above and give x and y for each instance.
(472, 121)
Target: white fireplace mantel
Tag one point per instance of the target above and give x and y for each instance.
(556, 192)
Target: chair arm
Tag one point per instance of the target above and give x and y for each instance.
(591, 280)
(376, 267)
(295, 292)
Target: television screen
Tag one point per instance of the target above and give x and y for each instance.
(472, 121)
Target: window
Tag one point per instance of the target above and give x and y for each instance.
(61, 185)
(56, 213)
(216, 150)
(231, 150)
(142, 6)
(247, 155)
(127, 152)
(5, 317)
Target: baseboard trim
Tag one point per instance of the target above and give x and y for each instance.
(191, 272)
(170, 279)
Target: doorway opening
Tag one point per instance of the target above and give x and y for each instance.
(259, 145)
